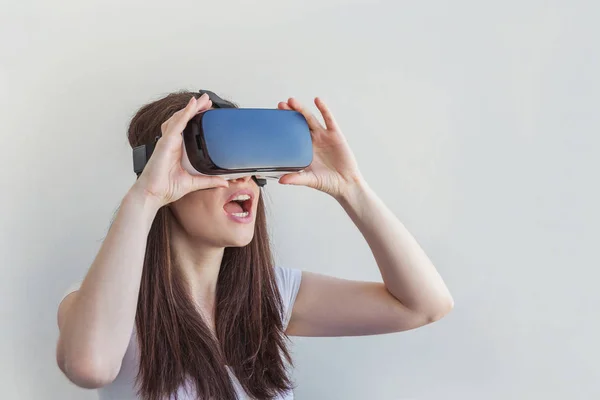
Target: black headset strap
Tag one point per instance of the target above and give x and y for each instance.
(217, 101)
(141, 155)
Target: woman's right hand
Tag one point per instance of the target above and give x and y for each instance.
(163, 179)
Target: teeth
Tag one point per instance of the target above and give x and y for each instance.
(241, 197)
(241, 215)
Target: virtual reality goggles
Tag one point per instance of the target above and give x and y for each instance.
(236, 142)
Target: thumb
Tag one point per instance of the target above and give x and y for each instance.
(296, 178)
(199, 182)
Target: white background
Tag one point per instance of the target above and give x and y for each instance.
(476, 122)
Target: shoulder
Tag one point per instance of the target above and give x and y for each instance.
(288, 283)
(73, 287)
(287, 278)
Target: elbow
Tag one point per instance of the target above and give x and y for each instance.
(442, 309)
(88, 372)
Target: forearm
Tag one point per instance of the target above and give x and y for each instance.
(98, 323)
(406, 270)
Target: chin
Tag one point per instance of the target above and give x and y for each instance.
(240, 240)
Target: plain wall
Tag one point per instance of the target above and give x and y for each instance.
(476, 122)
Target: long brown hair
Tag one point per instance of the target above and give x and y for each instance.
(177, 348)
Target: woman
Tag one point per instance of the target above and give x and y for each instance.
(183, 299)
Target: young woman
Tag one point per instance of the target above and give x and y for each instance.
(183, 300)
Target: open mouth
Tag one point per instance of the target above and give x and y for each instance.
(239, 205)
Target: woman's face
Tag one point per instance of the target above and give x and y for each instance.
(220, 217)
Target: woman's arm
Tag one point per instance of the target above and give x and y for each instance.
(413, 293)
(407, 272)
(96, 322)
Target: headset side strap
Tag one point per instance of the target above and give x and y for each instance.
(141, 155)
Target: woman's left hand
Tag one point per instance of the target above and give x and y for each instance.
(333, 169)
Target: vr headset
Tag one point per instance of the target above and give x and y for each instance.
(235, 142)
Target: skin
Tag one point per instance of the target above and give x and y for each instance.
(96, 321)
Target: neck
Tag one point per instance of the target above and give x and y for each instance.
(200, 264)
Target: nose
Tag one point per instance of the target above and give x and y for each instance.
(242, 179)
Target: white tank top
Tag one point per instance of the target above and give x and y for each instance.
(123, 387)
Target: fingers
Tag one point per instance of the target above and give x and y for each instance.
(330, 122)
(202, 108)
(313, 123)
(179, 119)
(293, 104)
(170, 125)
(283, 106)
